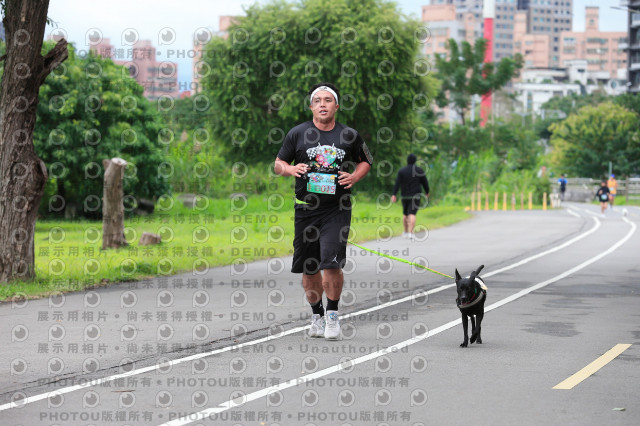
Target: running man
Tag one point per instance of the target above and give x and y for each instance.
(410, 178)
(563, 186)
(612, 183)
(603, 196)
(321, 150)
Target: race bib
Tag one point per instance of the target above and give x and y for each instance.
(322, 183)
(604, 197)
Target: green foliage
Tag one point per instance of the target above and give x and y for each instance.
(481, 169)
(501, 157)
(568, 105)
(515, 145)
(586, 141)
(486, 172)
(197, 161)
(464, 74)
(91, 109)
(259, 77)
(629, 101)
(197, 167)
(184, 114)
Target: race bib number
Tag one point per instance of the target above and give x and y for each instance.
(321, 183)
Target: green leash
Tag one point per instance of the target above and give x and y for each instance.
(399, 259)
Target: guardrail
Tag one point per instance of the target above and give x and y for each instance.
(584, 188)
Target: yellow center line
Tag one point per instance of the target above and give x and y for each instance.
(592, 368)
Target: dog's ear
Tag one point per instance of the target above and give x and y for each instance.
(458, 277)
(479, 269)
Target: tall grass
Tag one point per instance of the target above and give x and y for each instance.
(453, 181)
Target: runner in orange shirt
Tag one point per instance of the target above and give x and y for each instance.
(612, 183)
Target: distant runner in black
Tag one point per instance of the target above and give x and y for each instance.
(603, 195)
(411, 179)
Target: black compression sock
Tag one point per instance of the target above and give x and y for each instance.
(318, 308)
(332, 305)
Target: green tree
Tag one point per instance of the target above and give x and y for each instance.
(567, 105)
(260, 75)
(465, 74)
(92, 110)
(514, 145)
(184, 114)
(586, 141)
(629, 101)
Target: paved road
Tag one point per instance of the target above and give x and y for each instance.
(228, 346)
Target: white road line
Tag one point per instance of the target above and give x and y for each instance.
(96, 382)
(391, 349)
(489, 274)
(551, 250)
(571, 212)
(594, 214)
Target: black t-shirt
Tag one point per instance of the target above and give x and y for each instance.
(603, 194)
(327, 153)
(410, 179)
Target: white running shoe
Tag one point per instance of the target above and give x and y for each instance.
(332, 327)
(317, 326)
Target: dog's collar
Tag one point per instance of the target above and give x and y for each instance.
(476, 295)
(472, 301)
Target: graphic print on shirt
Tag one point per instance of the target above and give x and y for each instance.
(324, 158)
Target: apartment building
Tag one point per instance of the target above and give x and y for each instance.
(551, 18)
(157, 78)
(603, 51)
(470, 23)
(546, 18)
(633, 47)
(534, 48)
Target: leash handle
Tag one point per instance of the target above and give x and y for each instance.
(399, 259)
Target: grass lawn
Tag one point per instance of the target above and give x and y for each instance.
(68, 254)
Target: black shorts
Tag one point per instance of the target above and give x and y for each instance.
(320, 240)
(411, 205)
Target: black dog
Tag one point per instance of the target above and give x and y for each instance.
(472, 294)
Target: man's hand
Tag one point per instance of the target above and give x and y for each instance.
(394, 199)
(284, 169)
(298, 170)
(346, 179)
(349, 179)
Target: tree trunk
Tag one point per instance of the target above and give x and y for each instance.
(112, 204)
(22, 174)
(462, 112)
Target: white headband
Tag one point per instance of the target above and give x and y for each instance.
(328, 89)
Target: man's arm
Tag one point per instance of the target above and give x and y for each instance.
(349, 179)
(282, 168)
(425, 184)
(396, 186)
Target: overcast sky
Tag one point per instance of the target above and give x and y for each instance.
(149, 18)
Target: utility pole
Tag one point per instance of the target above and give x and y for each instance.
(489, 13)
